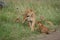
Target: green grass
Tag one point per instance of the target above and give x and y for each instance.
(10, 30)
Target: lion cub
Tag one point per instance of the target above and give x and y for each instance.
(44, 29)
(17, 20)
(30, 16)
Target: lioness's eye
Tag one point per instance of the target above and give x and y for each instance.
(27, 16)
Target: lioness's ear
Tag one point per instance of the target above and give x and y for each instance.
(31, 10)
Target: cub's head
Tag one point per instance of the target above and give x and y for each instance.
(39, 23)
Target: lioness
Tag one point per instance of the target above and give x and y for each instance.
(44, 29)
(30, 16)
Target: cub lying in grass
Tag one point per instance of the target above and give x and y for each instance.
(44, 29)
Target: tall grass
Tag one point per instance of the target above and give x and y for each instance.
(10, 30)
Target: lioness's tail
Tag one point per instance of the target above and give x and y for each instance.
(52, 30)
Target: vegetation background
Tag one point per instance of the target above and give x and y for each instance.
(10, 30)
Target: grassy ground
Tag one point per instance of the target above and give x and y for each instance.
(10, 30)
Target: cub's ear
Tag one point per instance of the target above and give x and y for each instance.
(38, 22)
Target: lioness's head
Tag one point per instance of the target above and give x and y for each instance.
(29, 12)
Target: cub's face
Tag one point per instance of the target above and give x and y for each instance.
(39, 23)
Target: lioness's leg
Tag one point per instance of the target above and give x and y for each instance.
(32, 26)
(24, 20)
(29, 24)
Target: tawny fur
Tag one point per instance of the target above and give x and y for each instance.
(42, 28)
(30, 16)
